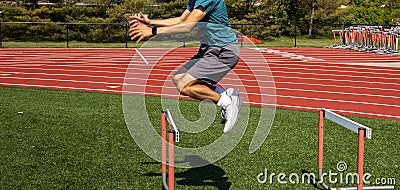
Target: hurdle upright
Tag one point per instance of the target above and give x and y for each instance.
(362, 132)
(173, 136)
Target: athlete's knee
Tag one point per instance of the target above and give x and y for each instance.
(179, 84)
(184, 80)
(177, 78)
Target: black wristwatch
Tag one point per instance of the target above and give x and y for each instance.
(154, 30)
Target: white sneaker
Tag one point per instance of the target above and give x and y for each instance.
(231, 111)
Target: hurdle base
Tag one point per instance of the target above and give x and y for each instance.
(164, 181)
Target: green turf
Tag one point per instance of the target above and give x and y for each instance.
(301, 41)
(79, 140)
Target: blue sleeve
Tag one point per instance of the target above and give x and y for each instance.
(190, 5)
(208, 5)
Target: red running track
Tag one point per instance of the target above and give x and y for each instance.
(348, 82)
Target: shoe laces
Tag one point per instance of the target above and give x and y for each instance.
(223, 113)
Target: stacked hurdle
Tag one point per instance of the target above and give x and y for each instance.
(368, 38)
(173, 136)
(362, 132)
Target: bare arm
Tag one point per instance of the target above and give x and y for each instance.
(171, 21)
(162, 22)
(185, 23)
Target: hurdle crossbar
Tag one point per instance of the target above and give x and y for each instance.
(173, 136)
(172, 124)
(347, 123)
(362, 132)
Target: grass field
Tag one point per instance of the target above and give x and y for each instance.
(79, 140)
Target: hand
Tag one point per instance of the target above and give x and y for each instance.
(139, 31)
(142, 18)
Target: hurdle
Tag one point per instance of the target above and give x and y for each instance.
(362, 132)
(173, 136)
(369, 39)
(340, 32)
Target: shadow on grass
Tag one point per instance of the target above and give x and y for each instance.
(207, 175)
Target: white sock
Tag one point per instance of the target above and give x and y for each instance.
(224, 101)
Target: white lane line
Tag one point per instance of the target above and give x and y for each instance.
(340, 101)
(251, 86)
(348, 64)
(273, 67)
(256, 76)
(62, 87)
(64, 80)
(339, 86)
(290, 55)
(295, 97)
(57, 59)
(336, 110)
(261, 66)
(228, 78)
(259, 78)
(338, 80)
(268, 72)
(340, 93)
(333, 70)
(144, 59)
(69, 75)
(235, 84)
(44, 53)
(148, 85)
(269, 105)
(68, 70)
(14, 60)
(335, 75)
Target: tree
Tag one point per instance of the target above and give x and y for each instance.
(325, 11)
(372, 12)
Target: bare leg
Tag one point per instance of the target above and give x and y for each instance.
(198, 89)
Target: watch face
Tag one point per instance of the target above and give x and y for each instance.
(154, 30)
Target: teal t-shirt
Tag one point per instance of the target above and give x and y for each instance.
(215, 26)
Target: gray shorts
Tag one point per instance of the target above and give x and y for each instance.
(212, 63)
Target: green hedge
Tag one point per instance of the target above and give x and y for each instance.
(268, 19)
